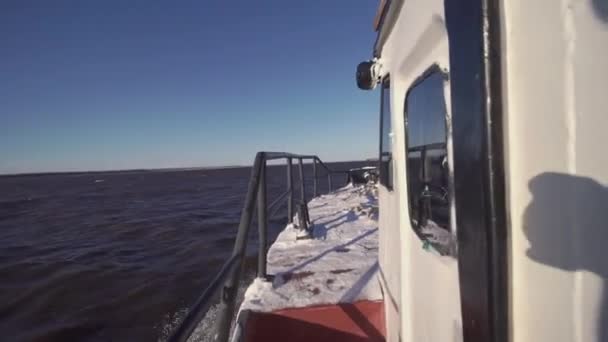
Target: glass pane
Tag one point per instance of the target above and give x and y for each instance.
(427, 162)
(386, 146)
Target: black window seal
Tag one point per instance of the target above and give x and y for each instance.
(474, 35)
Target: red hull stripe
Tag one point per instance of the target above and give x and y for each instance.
(359, 321)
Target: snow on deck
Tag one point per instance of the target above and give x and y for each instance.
(338, 264)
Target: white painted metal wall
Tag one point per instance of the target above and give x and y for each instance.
(424, 284)
(556, 112)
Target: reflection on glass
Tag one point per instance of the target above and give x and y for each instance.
(428, 176)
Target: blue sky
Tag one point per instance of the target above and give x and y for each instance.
(101, 85)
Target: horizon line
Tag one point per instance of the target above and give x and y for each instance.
(177, 168)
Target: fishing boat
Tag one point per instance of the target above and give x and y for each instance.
(488, 219)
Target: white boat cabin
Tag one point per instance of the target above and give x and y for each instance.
(493, 170)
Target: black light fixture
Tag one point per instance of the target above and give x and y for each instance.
(367, 75)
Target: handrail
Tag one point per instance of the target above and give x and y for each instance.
(203, 303)
(278, 200)
(275, 211)
(230, 273)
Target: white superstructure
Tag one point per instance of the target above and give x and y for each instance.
(521, 163)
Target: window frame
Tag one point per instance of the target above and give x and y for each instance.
(432, 70)
(386, 178)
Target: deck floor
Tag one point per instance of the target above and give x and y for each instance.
(338, 264)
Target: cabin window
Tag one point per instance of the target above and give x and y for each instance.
(386, 133)
(428, 176)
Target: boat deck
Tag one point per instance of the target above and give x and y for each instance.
(336, 268)
(337, 265)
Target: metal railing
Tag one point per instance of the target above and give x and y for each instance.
(226, 282)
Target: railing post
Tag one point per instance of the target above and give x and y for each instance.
(229, 291)
(290, 189)
(303, 218)
(262, 222)
(329, 181)
(302, 192)
(314, 177)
